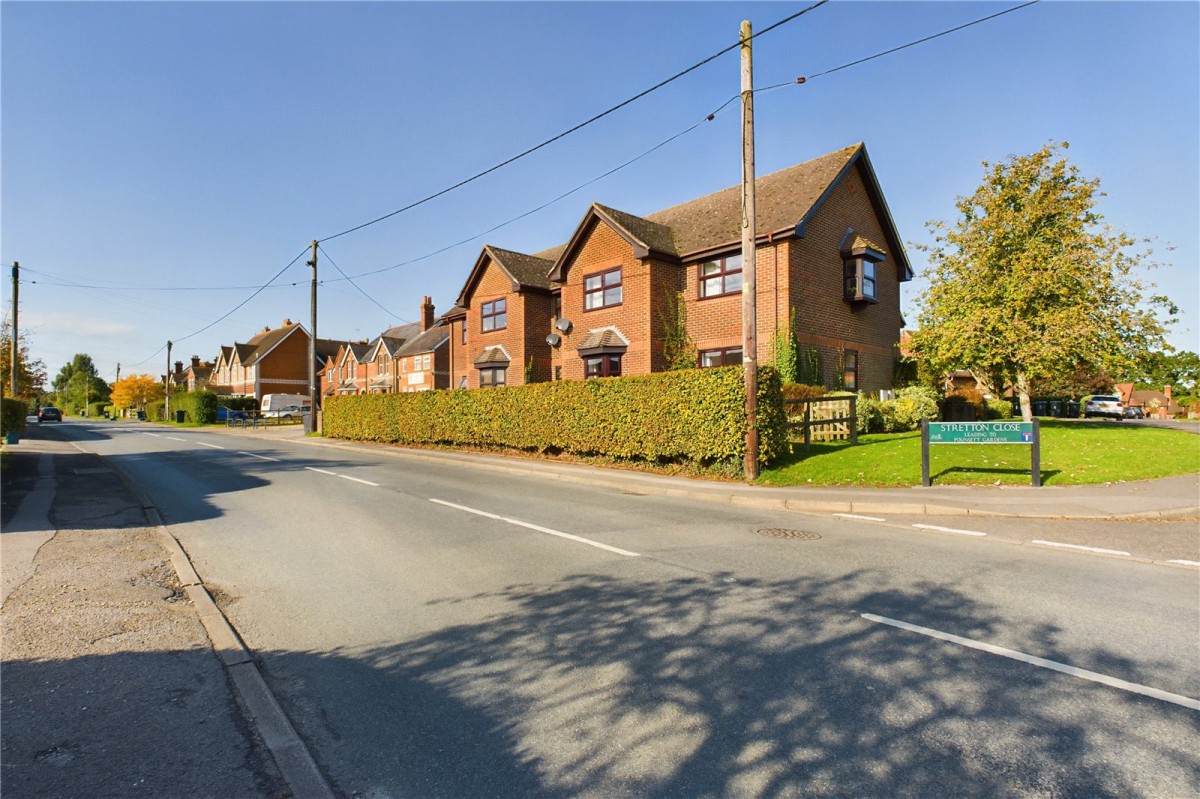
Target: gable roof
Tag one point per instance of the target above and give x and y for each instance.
(428, 341)
(523, 271)
(266, 341)
(785, 201)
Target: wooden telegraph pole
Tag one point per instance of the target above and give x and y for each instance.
(310, 424)
(749, 271)
(167, 390)
(16, 277)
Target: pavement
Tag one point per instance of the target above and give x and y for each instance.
(1149, 500)
(114, 686)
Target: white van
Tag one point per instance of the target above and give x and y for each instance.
(273, 403)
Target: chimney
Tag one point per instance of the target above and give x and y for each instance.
(287, 323)
(1168, 391)
(179, 367)
(195, 361)
(426, 314)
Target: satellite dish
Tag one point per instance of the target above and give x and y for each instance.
(553, 339)
(564, 325)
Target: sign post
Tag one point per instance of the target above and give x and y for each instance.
(1028, 433)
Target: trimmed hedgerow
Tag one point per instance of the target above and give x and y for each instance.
(694, 415)
(200, 406)
(12, 415)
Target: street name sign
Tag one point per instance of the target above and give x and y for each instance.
(1028, 433)
(981, 432)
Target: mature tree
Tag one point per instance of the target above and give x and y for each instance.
(1180, 369)
(80, 364)
(1030, 284)
(134, 391)
(31, 372)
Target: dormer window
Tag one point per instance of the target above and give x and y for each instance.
(859, 260)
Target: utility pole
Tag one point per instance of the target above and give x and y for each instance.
(16, 277)
(310, 423)
(118, 372)
(167, 390)
(749, 255)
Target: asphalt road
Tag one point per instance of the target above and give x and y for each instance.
(434, 630)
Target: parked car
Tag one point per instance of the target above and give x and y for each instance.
(224, 414)
(1108, 406)
(49, 414)
(286, 412)
(1134, 412)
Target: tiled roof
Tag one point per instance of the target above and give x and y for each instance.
(263, 342)
(782, 199)
(359, 349)
(653, 235)
(862, 242)
(492, 355)
(244, 352)
(604, 338)
(428, 341)
(403, 332)
(527, 270)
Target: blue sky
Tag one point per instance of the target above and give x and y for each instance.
(197, 145)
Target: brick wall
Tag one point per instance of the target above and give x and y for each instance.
(495, 284)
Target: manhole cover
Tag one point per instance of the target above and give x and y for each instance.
(795, 535)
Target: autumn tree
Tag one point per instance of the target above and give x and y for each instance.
(31, 372)
(135, 391)
(1030, 284)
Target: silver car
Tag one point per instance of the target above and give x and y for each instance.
(1104, 405)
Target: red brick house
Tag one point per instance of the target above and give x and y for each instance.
(828, 251)
(274, 361)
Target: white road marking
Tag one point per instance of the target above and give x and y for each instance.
(1083, 548)
(156, 435)
(321, 471)
(214, 446)
(1033, 660)
(949, 530)
(538, 528)
(1186, 562)
(355, 479)
(173, 438)
(863, 518)
(260, 457)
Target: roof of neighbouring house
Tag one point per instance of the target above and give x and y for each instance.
(522, 270)
(428, 341)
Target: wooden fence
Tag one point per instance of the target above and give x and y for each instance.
(822, 419)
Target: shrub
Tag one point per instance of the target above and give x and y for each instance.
(912, 404)
(870, 414)
(154, 410)
(200, 406)
(96, 410)
(238, 403)
(12, 415)
(693, 415)
(999, 409)
(793, 391)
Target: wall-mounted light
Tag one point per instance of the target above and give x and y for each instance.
(564, 325)
(553, 339)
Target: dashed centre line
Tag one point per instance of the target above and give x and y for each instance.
(975, 533)
(260, 457)
(862, 518)
(358, 480)
(213, 446)
(1186, 563)
(1034, 660)
(1097, 550)
(321, 471)
(173, 438)
(538, 528)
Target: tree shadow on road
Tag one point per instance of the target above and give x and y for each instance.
(697, 687)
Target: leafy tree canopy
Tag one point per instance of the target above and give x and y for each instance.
(135, 391)
(1180, 369)
(31, 372)
(1030, 283)
(80, 364)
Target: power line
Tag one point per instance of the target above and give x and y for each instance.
(920, 41)
(231, 312)
(67, 282)
(548, 203)
(580, 126)
(358, 288)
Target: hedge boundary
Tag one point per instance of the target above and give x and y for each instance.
(696, 415)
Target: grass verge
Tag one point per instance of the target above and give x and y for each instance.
(1073, 453)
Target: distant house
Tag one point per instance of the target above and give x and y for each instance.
(273, 361)
(408, 357)
(1152, 401)
(424, 361)
(197, 375)
(828, 252)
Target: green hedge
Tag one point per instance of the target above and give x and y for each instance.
(12, 415)
(694, 415)
(200, 406)
(238, 403)
(154, 410)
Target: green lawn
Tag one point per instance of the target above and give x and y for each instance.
(1073, 453)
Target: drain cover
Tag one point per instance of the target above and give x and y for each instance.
(795, 535)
